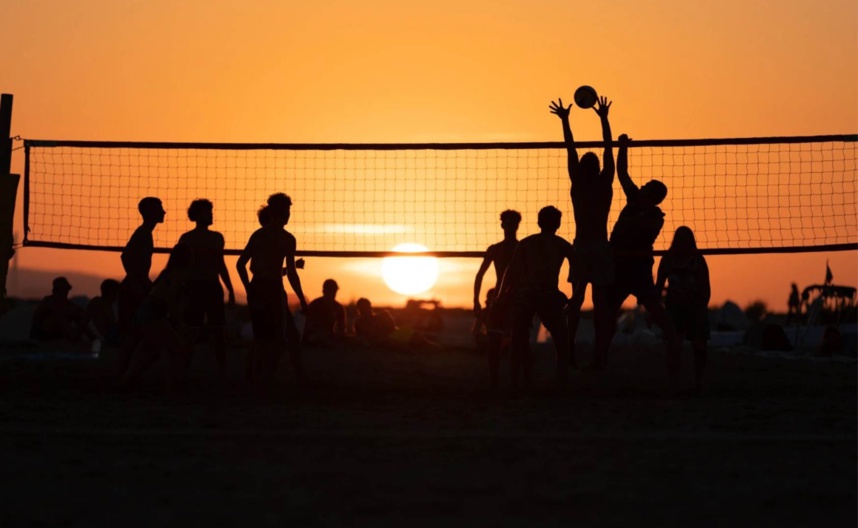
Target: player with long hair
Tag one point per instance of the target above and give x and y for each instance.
(685, 272)
(591, 192)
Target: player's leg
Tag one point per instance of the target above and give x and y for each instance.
(603, 316)
(701, 353)
(551, 313)
(573, 316)
(263, 316)
(674, 346)
(215, 317)
(293, 343)
(522, 316)
(494, 339)
(498, 323)
(158, 335)
(699, 336)
(614, 296)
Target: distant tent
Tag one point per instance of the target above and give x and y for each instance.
(731, 317)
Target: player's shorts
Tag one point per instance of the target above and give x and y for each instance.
(634, 277)
(132, 293)
(500, 316)
(267, 301)
(693, 321)
(546, 303)
(205, 303)
(593, 263)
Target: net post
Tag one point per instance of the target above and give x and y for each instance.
(8, 194)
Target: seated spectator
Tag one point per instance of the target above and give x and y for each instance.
(326, 318)
(56, 317)
(379, 328)
(101, 317)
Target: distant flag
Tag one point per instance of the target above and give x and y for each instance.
(828, 275)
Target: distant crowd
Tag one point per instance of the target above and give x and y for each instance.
(185, 304)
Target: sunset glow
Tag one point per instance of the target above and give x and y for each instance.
(410, 275)
(385, 71)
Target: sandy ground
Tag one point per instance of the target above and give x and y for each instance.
(383, 438)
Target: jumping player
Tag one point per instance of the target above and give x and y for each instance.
(632, 239)
(591, 192)
(497, 322)
(205, 294)
(530, 283)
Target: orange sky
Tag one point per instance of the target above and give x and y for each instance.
(372, 71)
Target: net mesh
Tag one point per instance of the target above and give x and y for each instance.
(745, 196)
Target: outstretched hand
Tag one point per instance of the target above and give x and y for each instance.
(559, 110)
(603, 107)
(623, 140)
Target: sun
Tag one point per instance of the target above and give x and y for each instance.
(409, 275)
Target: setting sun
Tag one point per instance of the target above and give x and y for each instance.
(409, 275)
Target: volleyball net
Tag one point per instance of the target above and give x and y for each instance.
(739, 195)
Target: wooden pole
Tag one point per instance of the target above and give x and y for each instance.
(8, 195)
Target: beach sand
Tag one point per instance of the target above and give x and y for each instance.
(393, 438)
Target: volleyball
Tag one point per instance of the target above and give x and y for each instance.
(585, 96)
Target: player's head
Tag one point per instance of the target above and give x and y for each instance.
(683, 240)
(549, 218)
(280, 208)
(201, 211)
(151, 209)
(329, 288)
(61, 286)
(109, 289)
(491, 295)
(510, 220)
(589, 164)
(364, 307)
(654, 192)
(181, 256)
(263, 216)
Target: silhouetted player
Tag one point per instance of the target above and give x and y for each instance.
(530, 282)
(266, 250)
(497, 322)
(591, 192)
(205, 294)
(137, 262)
(632, 241)
(686, 274)
(160, 321)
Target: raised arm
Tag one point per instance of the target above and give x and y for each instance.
(478, 281)
(608, 158)
(562, 112)
(629, 186)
